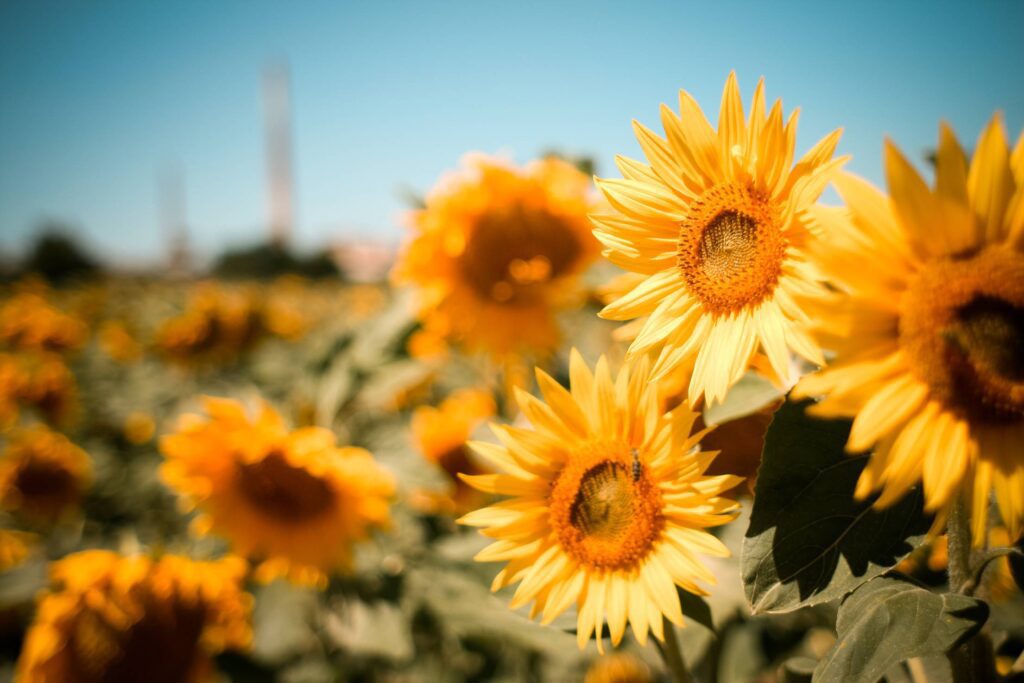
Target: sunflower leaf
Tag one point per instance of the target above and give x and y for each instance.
(809, 540)
(889, 620)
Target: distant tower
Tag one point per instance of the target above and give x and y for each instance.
(171, 192)
(278, 126)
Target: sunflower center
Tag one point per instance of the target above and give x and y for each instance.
(283, 491)
(45, 480)
(162, 646)
(962, 327)
(513, 253)
(605, 508)
(731, 249)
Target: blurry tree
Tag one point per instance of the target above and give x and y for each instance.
(267, 261)
(58, 257)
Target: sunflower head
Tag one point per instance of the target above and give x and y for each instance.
(608, 503)
(496, 251)
(440, 434)
(29, 322)
(619, 667)
(113, 618)
(118, 342)
(715, 231)
(292, 500)
(43, 476)
(927, 322)
(218, 323)
(41, 382)
(15, 546)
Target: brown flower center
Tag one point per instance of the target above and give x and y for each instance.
(283, 491)
(962, 327)
(512, 254)
(46, 488)
(605, 508)
(731, 248)
(162, 646)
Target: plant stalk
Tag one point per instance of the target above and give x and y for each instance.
(959, 537)
(672, 655)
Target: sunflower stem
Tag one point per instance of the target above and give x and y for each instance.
(672, 655)
(971, 661)
(959, 538)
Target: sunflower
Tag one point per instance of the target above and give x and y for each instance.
(15, 546)
(218, 323)
(619, 667)
(118, 342)
(45, 384)
(496, 251)
(292, 500)
(43, 476)
(609, 504)
(113, 618)
(440, 435)
(29, 322)
(928, 328)
(717, 225)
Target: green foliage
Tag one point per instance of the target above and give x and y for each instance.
(267, 261)
(889, 620)
(809, 541)
(58, 257)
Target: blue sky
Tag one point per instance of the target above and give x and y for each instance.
(97, 97)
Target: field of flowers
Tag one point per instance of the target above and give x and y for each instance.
(687, 425)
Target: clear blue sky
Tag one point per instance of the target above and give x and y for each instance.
(96, 97)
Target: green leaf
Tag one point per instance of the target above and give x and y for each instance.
(809, 541)
(890, 620)
(695, 609)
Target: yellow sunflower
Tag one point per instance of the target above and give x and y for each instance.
(43, 476)
(118, 342)
(440, 434)
(609, 503)
(292, 500)
(496, 251)
(717, 225)
(40, 381)
(15, 546)
(29, 322)
(928, 328)
(115, 618)
(619, 667)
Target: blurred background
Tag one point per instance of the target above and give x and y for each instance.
(162, 134)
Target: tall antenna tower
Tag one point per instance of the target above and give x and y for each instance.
(171, 193)
(278, 127)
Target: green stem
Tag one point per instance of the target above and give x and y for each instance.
(959, 537)
(672, 655)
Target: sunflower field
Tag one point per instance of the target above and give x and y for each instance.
(684, 422)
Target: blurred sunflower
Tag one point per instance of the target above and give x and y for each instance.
(609, 504)
(12, 382)
(14, 548)
(218, 322)
(43, 476)
(496, 253)
(440, 434)
(292, 500)
(29, 322)
(619, 667)
(928, 328)
(118, 342)
(716, 223)
(115, 618)
(139, 427)
(47, 386)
